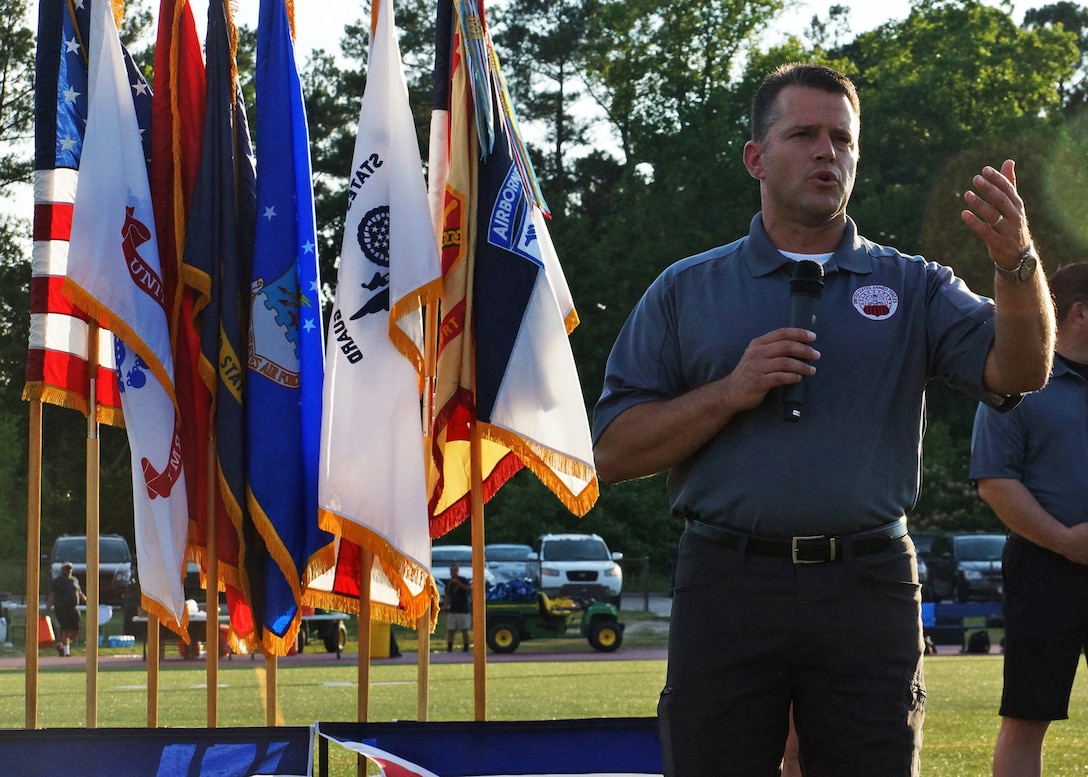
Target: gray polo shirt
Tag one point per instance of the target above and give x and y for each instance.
(886, 324)
(1043, 443)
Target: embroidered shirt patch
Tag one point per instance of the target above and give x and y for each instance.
(876, 302)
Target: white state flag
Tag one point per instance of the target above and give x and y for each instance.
(114, 274)
(372, 488)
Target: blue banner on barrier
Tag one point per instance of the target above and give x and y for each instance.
(597, 746)
(283, 751)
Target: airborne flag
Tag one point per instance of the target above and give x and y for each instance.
(373, 487)
(61, 339)
(505, 364)
(115, 275)
(286, 348)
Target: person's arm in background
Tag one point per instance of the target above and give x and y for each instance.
(1018, 509)
(1020, 357)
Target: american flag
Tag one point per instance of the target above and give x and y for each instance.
(61, 337)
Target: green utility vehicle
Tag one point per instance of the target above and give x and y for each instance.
(508, 624)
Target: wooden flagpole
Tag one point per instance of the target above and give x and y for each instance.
(423, 666)
(366, 562)
(33, 562)
(153, 642)
(93, 469)
(271, 710)
(423, 625)
(479, 616)
(211, 583)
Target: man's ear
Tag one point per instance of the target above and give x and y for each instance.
(753, 159)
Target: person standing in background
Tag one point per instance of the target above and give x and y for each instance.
(1031, 466)
(65, 596)
(458, 608)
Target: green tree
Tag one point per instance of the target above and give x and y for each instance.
(333, 85)
(658, 68)
(16, 129)
(954, 75)
(16, 94)
(544, 41)
(1073, 19)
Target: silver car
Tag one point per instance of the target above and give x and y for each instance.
(442, 556)
(509, 561)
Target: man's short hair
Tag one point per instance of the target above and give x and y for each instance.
(803, 74)
(1069, 285)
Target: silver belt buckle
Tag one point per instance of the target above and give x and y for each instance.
(831, 543)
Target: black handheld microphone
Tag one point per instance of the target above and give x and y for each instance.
(806, 285)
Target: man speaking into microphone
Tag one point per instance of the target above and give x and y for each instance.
(796, 583)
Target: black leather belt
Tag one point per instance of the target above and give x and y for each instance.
(818, 549)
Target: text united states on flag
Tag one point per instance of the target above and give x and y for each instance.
(61, 340)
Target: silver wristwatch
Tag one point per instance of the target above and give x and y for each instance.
(1023, 271)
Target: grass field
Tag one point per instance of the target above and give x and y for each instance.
(961, 719)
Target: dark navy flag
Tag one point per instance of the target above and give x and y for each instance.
(218, 263)
(286, 356)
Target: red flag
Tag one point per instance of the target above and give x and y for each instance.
(177, 130)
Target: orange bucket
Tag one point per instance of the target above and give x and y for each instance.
(46, 637)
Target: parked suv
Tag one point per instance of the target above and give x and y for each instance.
(966, 566)
(578, 564)
(116, 571)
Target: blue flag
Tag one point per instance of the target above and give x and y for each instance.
(286, 356)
